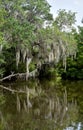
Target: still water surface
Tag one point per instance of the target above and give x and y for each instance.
(42, 105)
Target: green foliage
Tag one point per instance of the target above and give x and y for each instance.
(65, 19)
(52, 72)
(27, 30)
(32, 67)
(75, 66)
(19, 22)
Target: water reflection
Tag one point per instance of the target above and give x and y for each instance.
(44, 105)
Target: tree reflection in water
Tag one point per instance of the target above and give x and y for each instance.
(41, 108)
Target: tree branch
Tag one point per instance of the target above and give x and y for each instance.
(31, 74)
(12, 90)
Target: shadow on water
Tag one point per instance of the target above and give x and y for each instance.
(44, 105)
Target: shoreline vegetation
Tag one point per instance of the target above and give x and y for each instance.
(33, 43)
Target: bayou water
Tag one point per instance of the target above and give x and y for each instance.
(42, 105)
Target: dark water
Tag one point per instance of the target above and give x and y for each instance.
(42, 105)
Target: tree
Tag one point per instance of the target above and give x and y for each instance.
(23, 19)
(75, 65)
(79, 37)
(28, 42)
(65, 19)
(2, 40)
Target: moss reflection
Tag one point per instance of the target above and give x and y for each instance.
(45, 106)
